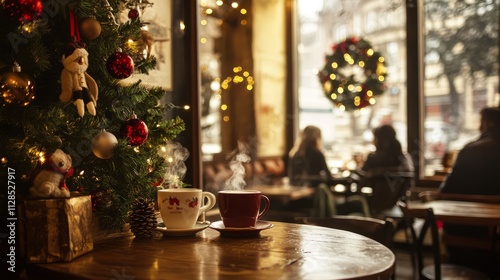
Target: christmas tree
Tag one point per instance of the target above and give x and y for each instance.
(112, 131)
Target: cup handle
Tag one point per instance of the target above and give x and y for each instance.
(210, 197)
(267, 203)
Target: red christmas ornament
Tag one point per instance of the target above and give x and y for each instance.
(133, 14)
(120, 65)
(23, 10)
(135, 131)
(158, 183)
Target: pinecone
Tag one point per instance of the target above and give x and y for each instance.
(142, 218)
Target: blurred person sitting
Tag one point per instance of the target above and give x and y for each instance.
(388, 153)
(476, 171)
(307, 162)
(307, 167)
(477, 165)
(388, 171)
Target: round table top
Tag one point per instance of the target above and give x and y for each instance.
(281, 251)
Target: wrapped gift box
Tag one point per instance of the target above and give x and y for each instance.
(56, 229)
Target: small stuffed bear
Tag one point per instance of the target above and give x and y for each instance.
(51, 180)
(75, 82)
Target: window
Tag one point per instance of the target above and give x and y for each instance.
(348, 133)
(460, 63)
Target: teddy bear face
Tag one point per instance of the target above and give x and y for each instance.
(77, 61)
(61, 160)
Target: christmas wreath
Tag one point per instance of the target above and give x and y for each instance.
(353, 74)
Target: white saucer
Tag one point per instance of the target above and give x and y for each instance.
(184, 232)
(248, 231)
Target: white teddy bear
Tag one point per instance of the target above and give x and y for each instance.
(50, 182)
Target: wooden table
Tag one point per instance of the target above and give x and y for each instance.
(284, 192)
(462, 212)
(285, 251)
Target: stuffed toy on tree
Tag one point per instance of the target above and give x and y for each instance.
(76, 83)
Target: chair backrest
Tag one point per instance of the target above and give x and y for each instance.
(426, 196)
(427, 215)
(387, 189)
(456, 236)
(381, 231)
(437, 271)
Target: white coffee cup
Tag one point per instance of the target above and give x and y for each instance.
(180, 208)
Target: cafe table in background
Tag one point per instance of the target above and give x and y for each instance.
(284, 192)
(463, 212)
(277, 251)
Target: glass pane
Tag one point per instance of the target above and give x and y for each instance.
(461, 74)
(323, 24)
(209, 32)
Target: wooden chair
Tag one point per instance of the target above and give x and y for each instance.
(489, 244)
(438, 270)
(388, 188)
(381, 231)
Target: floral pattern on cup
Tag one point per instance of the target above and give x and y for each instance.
(193, 203)
(173, 200)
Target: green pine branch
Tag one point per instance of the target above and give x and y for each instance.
(47, 124)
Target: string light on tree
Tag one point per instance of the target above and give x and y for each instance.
(353, 75)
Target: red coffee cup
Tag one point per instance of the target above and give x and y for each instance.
(241, 209)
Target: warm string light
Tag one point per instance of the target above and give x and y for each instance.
(240, 76)
(220, 11)
(41, 157)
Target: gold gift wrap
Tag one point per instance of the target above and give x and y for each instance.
(57, 229)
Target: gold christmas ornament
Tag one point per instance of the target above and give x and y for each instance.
(146, 41)
(103, 144)
(16, 88)
(90, 28)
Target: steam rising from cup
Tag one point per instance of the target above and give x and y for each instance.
(237, 179)
(175, 155)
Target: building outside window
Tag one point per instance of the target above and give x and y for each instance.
(460, 66)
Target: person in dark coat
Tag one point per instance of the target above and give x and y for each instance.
(388, 154)
(387, 170)
(477, 166)
(476, 171)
